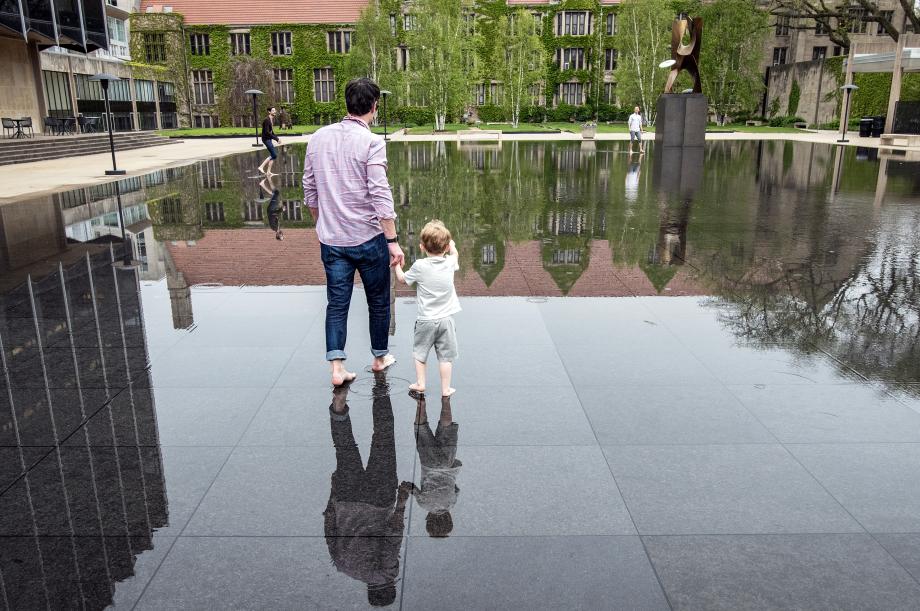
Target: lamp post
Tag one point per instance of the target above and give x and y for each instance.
(103, 80)
(384, 93)
(849, 89)
(255, 113)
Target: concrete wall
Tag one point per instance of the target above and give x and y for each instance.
(818, 86)
(18, 89)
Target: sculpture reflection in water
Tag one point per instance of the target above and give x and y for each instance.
(364, 518)
(437, 453)
(81, 477)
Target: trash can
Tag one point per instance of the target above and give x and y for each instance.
(878, 126)
(865, 126)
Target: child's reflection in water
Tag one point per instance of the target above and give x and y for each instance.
(437, 454)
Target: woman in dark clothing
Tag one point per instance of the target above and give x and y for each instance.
(268, 134)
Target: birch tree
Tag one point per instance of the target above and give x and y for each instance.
(733, 43)
(643, 39)
(373, 47)
(521, 59)
(440, 43)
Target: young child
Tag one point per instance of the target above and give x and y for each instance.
(437, 303)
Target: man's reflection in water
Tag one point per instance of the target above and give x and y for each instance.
(437, 452)
(274, 206)
(364, 517)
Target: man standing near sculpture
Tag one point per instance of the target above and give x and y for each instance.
(635, 130)
(347, 192)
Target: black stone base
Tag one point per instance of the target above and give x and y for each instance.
(681, 119)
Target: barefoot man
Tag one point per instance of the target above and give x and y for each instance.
(346, 190)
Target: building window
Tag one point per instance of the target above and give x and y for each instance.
(57, 94)
(858, 24)
(393, 24)
(571, 59)
(569, 23)
(252, 212)
(821, 28)
(202, 87)
(409, 22)
(209, 174)
(214, 211)
(143, 90)
(118, 38)
(779, 56)
(201, 44)
(885, 16)
(240, 44)
(206, 121)
(284, 84)
(479, 94)
(610, 93)
(819, 52)
(291, 209)
(488, 253)
(838, 51)
(536, 95)
(571, 93)
(469, 19)
(402, 58)
(538, 22)
(339, 42)
(611, 24)
(155, 47)
(281, 43)
(323, 85)
(782, 25)
(610, 59)
(496, 93)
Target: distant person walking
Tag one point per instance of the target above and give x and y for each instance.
(635, 130)
(346, 190)
(268, 136)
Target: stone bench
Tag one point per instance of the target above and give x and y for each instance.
(800, 125)
(753, 123)
(900, 140)
(479, 135)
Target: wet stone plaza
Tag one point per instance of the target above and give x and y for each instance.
(687, 380)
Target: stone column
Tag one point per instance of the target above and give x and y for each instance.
(156, 102)
(895, 93)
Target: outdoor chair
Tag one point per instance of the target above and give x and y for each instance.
(26, 124)
(8, 125)
(53, 125)
(88, 125)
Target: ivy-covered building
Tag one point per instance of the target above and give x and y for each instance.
(306, 45)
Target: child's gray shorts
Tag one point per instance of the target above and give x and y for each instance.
(442, 334)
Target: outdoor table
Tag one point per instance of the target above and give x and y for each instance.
(68, 124)
(19, 133)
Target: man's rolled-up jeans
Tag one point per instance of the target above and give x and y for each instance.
(372, 261)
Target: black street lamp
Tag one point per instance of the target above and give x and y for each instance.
(255, 113)
(849, 89)
(103, 80)
(385, 93)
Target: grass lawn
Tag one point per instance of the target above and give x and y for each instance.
(297, 130)
(505, 128)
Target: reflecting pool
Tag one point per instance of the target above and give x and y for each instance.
(676, 368)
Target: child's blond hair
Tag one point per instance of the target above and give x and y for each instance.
(435, 238)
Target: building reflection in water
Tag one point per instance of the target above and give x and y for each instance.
(81, 478)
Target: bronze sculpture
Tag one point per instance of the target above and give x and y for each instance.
(685, 56)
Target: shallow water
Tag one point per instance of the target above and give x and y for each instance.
(743, 361)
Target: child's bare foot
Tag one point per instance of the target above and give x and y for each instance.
(382, 362)
(448, 392)
(417, 387)
(343, 377)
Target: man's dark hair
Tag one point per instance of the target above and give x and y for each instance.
(271, 108)
(381, 596)
(360, 95)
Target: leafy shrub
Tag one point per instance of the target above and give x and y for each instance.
(414, 115)
(785, 121)
(490, 113)
(563, 112)
(795, 93)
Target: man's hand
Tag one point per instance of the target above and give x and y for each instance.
(397, 258)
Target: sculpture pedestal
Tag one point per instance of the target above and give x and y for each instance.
(681, 119)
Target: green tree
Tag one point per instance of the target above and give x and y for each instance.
(521, 59)
(730, 58)
(373, 46)
(643, 40)
(838, 17)
(440, 43)
(248, 73)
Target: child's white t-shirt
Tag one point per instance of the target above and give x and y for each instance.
(434, 280)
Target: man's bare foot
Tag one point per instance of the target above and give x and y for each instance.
(419, 388)
(343, 377)
(381, 363)
(448, 392)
